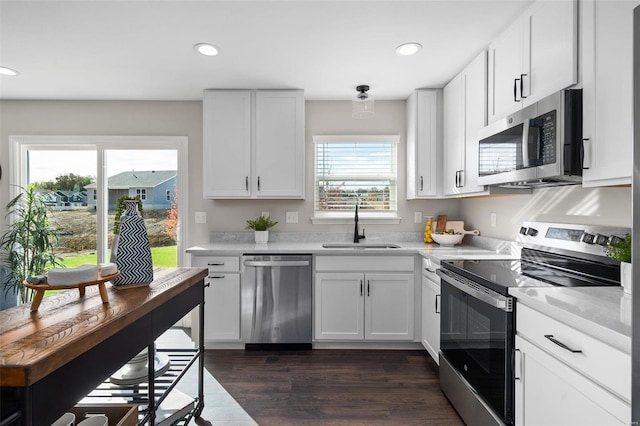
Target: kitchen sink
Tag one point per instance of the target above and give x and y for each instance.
(360, 246)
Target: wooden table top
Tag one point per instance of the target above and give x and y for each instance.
(33, 344)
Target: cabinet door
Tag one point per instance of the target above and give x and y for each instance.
(550, 60)
(431, 318)
(607, 55)
(226, 143)
(453, 131)
(549, 392)
(424, 144)
(475, 113)
(279, 145)
(339, 306)
(389, 306)
(505, 67)
(222, 307)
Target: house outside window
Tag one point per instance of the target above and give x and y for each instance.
(95, 194)
(168, 195)
(355, 169)
(142, 193)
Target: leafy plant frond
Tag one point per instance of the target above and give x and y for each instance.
(620, 250)
(262, 223)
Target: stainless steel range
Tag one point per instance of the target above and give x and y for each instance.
(477, 328)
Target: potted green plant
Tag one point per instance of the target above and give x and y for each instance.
(261, 227)
(620, 250)
(27, 246)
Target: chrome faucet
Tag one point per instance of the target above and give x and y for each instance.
(356, 234)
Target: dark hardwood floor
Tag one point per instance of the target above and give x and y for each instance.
(334, 387)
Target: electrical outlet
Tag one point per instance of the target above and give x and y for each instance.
(264, 214)
(201, 217)
(494, 219)
(292, 217)
(417, 217)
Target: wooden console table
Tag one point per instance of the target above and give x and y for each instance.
(52, 358)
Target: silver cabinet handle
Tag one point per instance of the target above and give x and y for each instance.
(246, 183)
(276, 263)
(216, 277)
(437, 307)
(562, 345)
(421, 183)
(361, 287)
(517, 364)
(586, 154)
(258, 183)
(368, 288)
(216, 264)
(515, 90)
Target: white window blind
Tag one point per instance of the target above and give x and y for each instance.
(356, 169)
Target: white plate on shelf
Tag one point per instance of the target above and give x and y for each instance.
(132, 374)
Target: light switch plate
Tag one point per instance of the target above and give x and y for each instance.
(292, 217)
(417, 217)
(264, 214)
(201, 217)
(494, 219)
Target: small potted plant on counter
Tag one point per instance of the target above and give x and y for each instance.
(261, 227)
(620, 250)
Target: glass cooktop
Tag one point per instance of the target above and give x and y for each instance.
(535, 271)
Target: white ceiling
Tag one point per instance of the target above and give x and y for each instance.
(143, 50)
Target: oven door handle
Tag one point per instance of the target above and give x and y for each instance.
(497, 301)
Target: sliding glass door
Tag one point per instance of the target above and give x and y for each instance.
(82, 178)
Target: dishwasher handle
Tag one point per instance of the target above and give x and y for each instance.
(276, 263)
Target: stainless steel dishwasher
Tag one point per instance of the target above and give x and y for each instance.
(276, 301)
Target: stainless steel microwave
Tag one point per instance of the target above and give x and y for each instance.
(540, 145)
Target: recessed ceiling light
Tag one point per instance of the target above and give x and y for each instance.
(206, 49)
(408, 49)
(7, 71)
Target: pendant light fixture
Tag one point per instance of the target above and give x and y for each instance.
(362, 106)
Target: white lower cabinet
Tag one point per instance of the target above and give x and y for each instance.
(221, 298)
(431, 312)
(584, 383)
(359, 306)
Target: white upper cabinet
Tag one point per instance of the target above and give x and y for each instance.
(607, 76)
(465, 101)
(533, 58)
(424, 144)
(253, 144)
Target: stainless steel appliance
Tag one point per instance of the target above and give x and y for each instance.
(540, 145)
(477, 329)
(276, 301)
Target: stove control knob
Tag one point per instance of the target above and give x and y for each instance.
(614, 239)
(532, 232)
(588, 238)
(523, 230)
(601, 240)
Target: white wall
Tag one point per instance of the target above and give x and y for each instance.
(142, 118)
(568, 204)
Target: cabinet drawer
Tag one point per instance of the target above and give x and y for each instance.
(597, 360)
(218, 263)
(365, 263)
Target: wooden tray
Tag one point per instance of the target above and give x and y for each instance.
(42, 287)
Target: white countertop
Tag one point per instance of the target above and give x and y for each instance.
(433, 251)
(601, 312)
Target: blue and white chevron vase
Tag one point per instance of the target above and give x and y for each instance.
(131, 250)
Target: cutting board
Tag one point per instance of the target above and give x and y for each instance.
(441, 223)
(457, 226)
